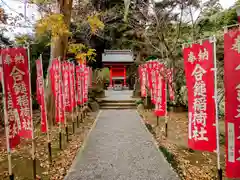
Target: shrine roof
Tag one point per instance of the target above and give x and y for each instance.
(125, 56)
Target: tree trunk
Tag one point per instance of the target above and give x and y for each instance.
(58, 49)
(59, 44)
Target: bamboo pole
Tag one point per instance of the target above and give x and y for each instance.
(231, 26)
(63, 97)
(72, 89)
(10, 172)
(47, 123)
(216, 110)
(59, 111)
(77, 116)
(77, 98)
(166, 112)
(82, 97)
(31, 114)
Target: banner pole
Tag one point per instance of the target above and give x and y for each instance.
(72, 104)
(63, 97)
(216, 110)
(231, 26)
(10, 172)
(166, 112)
(77, 116)
(59, 111)
(76, 90)
(81, 114)
(47, 124)
(83, 91)
(31, 114)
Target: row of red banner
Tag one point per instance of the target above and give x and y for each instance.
(155, 77)
(69, 85)
(200, 80)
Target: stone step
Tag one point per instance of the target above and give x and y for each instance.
(117, 104)
(116, 101)
(117, 107)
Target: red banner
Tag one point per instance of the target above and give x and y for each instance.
(199, 61)
(66, 86)
(72, 86)
(170, 84)
(85, 83)
(151, 79)
(1, 72)
(160, 90)
(159, 70)
(79, 84)
(40, 95)
(232, 101)
(143, 80)
(153, 89)
(17, 88)
(12, 119)
(56, 80)
(149, 68)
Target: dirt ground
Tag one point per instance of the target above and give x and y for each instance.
(62, 159)
(190, 165)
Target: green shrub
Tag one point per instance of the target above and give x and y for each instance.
(139, 102)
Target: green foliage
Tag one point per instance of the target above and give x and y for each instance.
(101, 75)
(168, 155)
(139, 102)
(38, 45)
(151, 58)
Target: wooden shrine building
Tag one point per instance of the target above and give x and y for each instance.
(117, 61)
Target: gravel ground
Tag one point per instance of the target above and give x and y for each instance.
(120, 148)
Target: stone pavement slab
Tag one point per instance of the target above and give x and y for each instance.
(120, 148)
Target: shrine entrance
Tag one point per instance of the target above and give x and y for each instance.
(117, 61)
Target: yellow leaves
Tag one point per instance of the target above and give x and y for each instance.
(95, 23)
(21, 40)
(40, 1)
(82, 52)
(76, 48)
(54, 24)
(91, 52)
(81, 57)
(89, 56)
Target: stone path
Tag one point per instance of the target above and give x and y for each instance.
(120, 148)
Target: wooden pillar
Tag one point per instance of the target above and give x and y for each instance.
(124, 80)
(110, 79)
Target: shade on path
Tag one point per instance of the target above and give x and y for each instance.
(120, 148)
